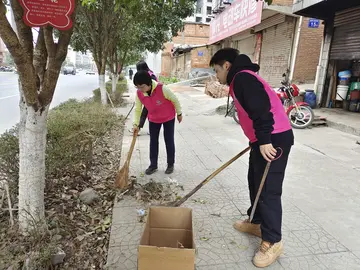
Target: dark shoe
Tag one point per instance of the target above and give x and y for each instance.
(169, 169)
(150, 170)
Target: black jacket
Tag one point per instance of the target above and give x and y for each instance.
(251, 94)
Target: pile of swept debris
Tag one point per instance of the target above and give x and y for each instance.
(216, 90)
(154, 193)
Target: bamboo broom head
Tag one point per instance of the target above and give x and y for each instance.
(122, 178)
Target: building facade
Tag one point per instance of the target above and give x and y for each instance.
(340, 53)
(203, 11)
(271, 36)
(187, 54)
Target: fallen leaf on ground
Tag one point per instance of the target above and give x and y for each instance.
(199, 201)
(242, 247)
(204, 238)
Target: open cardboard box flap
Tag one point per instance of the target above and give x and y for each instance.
(167, 242)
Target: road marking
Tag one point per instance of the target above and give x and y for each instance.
(7, 84)
(8, 97)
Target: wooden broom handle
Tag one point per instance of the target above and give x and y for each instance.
(135, 134)
(266, 171)
(207, 179)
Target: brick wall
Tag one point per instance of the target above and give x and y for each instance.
(283, 2)
(183, 64)
(180, 66)
(202, 60)
(190, 40)
(307, 57)
(194, 34)
(166, 64)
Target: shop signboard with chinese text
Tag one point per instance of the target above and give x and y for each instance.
(239, 16)
(56, 13)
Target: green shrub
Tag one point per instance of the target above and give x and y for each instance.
(72, 129)
(121, 88)
(168, 80)
(122, 77)
(9, 158)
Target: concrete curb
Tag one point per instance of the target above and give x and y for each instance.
(344, 128)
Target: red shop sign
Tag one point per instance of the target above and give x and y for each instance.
(241, 15)
(56, 13)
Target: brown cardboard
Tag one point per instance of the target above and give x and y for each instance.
(168, 241)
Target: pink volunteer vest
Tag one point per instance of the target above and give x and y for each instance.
(160, 110)
(281, 120)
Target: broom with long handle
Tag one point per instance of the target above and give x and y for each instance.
(122, 178)
(263, 179)
(211, 176)
(266, 171)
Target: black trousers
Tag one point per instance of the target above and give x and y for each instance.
(169, 128)
(269, 210)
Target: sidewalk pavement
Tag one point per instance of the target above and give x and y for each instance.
(320, 199)
(340, 119)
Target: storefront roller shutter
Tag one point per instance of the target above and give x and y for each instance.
(247, 46)
(276, 51)
(346, 39)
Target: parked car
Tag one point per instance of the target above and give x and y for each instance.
(6, 69)
(69, 70)
(90, 72)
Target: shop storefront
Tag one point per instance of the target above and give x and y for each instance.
(277, 42)
(245, 43)
(338, 83)
(344, 67)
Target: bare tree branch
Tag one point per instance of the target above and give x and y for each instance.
(64, 38)
(63, 45)
(49, 42)
(24, 31)
(40, 56)
(56, 55)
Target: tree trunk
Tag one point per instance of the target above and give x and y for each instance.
(32, 146)
(114, 80)
(102, 86)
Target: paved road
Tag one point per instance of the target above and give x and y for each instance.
(79, 86)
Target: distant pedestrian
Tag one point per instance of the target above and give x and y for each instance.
(265, 123)
(143, 66)
(162, 106)
(131, 72)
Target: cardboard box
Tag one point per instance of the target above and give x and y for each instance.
(167, 242)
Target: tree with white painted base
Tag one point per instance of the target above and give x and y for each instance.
(96, 30)
(38, 67)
